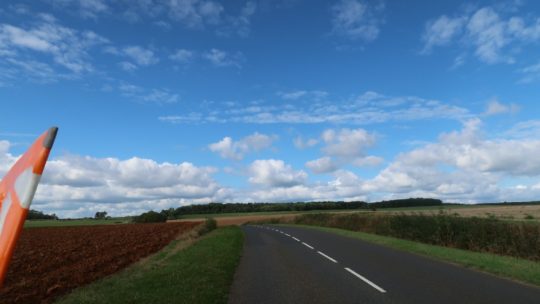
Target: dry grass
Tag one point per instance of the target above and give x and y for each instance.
(239, 220)
(524, 212)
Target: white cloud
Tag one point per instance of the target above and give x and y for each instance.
(236, 150)
(489, 35)
(86, 8)
(322, 165)
(530, 73)
(356, 19)
(495, 107)
(221, 58)
(192, 14)
(239, 25)
(300, 143)
(461, 163)
(140, 55)
(295, 95)
(525, 129)
(182, 55)
(368, 161)
(495, 37)
(275, 173)
(347, 143)
(368, 108)
(158, 96)
(127, 66)
(195, 13)
(440, 32)
(80, 185)
(342, 147)
(66, 47)
(460, 166)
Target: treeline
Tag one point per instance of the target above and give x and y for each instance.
(296, 206)
(38, 215)
(516, 239)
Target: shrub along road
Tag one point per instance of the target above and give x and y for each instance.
(299, 265)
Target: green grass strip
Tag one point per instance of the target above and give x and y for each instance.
(77, 222)
(200, 273)
(518, 269)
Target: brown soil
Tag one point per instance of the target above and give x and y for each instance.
(49, 262)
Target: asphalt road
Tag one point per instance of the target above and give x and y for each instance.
(300, 265)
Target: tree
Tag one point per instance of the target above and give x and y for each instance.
(150, 217)
(100, 215)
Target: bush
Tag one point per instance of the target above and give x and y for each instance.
(150, 217)
(209, 225)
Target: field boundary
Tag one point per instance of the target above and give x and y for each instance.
(191, 269)
(519, 270)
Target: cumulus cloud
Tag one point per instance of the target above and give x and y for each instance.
(236, 150)
(322, 165)
(487, 30)
(356, 19)
(275, 173)
(75, 185)
(342, 147)
(346, 142)
(461, 165)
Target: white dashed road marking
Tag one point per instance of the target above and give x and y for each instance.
(365, 280)
(333, 260)
(308, 246)
(324, 255)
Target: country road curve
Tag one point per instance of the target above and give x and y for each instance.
(301, 265)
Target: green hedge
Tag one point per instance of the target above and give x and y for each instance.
(518, 239)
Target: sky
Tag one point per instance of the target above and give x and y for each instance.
(165, 103)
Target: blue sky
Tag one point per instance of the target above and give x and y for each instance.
(167, 103)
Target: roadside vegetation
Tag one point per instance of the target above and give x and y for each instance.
(490, 235)
(186, 271)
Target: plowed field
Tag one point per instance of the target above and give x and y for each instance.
(49, 262)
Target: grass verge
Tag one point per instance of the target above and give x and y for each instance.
(200, 273)
(518, 269)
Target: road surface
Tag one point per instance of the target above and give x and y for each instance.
(301, 265)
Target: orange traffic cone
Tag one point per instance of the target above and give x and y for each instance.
(17, 190)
